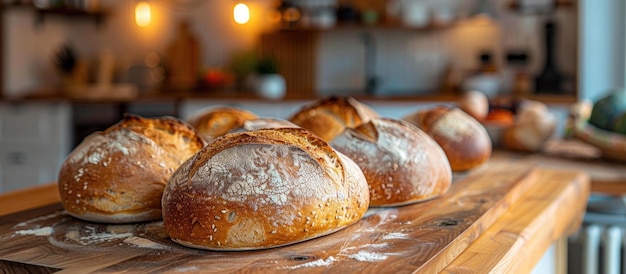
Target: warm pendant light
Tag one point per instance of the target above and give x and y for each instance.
(142, 14)
(241, 13)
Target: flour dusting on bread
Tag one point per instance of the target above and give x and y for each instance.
(261, 189)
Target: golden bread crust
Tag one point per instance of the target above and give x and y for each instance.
(401, 163)
(118, 175)
(329, 117)
(464, 140)
(263, 189)
(216, 121)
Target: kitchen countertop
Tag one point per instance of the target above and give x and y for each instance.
(53, 94)
(608, 176)
(500, 217)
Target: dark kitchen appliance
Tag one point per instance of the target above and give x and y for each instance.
(550, 80)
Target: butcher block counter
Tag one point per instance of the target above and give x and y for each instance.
(500, 217)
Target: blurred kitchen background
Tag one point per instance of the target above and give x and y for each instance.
(343, 47)
(71, 67)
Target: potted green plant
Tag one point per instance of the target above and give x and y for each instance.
(268, 82)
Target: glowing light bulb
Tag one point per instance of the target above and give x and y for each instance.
(143, 14)
(241, 13)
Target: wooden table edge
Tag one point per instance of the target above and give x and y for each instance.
(29, 198)
(609, 188)
(524, 247)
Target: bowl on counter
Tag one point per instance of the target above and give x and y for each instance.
(489, 84)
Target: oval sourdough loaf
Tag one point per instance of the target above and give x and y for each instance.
(401, 163)
(118, 175)
(215, 121)
(464, 140)
(330, 116)
(263, 189)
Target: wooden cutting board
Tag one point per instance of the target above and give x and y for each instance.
(421, 237)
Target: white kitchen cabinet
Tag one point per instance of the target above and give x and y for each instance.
(35, 138)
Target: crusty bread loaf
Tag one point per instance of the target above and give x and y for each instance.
(118, 175)
(263, 189)
(215, 121)
(263, 123)
(464, 140)
(330, 116)
(475, 103)
(401, 163)
(250, 124)
(534, 125)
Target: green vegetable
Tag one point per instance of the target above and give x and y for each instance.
(619, 124)
(608, 109)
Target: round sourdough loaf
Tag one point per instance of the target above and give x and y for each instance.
(401, 163)
(475, 103)
(534, 125)
(263, 189)
(464, 140)
(330, 116)
(118, 175)
(215, 121)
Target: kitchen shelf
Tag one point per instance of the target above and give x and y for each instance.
(392, 25)
(98, 15)
(174, 96)
(515, 6)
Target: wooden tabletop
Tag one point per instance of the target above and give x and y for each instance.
(499, 217)
(608, 176)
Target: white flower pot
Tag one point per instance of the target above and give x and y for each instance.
(270, 86)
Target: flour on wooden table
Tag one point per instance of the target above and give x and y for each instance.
(44, 231)
(395, 235)
(193, 269)
(144, 243)
(92, 236)
(364, 256)
(316, 263)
